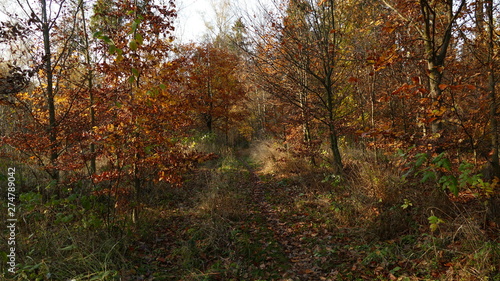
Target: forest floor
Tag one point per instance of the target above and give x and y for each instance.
(268, 217)
(245, 229)
(238, 222)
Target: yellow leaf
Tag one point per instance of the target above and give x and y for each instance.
(434, 227)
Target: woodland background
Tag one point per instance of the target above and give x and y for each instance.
(307, 140)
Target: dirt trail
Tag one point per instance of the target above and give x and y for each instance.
(299, 255)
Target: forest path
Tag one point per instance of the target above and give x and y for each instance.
(235, 222)
(294, 233)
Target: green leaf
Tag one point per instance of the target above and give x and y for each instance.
(438, 159)
(68, 248)
(465, 167)
(72, 197)
(131, 79)
(135, 72)
(450, 182)
(427, 176)
(152, 93)
(454, 189)
(445, 163)
(421, 158)
(135, 25)
(112, 49)
(133, 28)
(396, 269)
(434, 222)
(132, 45)
(107, 40)
(433, 219)
(97, 34)
(67, 218)
(148, 149)
(406, 204)
(86, 203)
(138, 38)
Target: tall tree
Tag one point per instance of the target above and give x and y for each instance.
(213, 87)
(46, 24)
(435, 26)
(142, 115)
(492, 76)
(52, 103)
(306, 47)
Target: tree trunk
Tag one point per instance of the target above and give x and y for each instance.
(52, 128)
(479, 14)
(435, 53)
(305, 117)
(209, 122)
(137, 189)
(495, 163)
(93, 168)
(333, 136)
(337, 158)
(435, 77)
(306, 130)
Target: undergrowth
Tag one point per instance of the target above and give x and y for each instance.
(264, 214)
(65, 239)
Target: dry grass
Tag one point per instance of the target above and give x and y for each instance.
(377, 188)
(220, 198)
(371, 176)
(274, 160)
(268, 155)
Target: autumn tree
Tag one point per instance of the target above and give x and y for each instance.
(306, 47)
(213, 75)
(50, 110)
(481, 45)
(142, 113)
(492, 77)
(212, 86)
(435, 26)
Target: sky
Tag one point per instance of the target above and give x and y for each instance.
(193, 16)
(190, 25)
